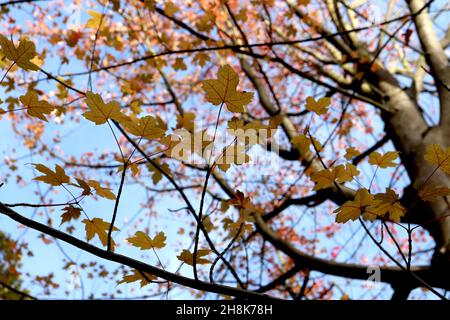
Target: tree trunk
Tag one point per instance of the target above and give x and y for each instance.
(411, 135)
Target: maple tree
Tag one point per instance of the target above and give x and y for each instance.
(248, 149)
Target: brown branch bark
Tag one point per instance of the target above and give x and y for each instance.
(435, 57)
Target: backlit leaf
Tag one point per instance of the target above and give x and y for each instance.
(99, 111)
(96, 21)
(170, 8)
(83, 185)
(389, 205)
(157, 175)
(346, 173)
(144, 278)
(54, 178)
(146, 127)
(325, 178)
(319, 107)
(35, 107)
(302, 143)
(223, 90)
(186, 121)
(144, 242)
(383, 160)
(188, 257)
(70, 213)
(179, 64)
(439, 156)
(21, 55)
(101, 191)
(352, 209)
(432, 193)
(350, 153)
(100, 228)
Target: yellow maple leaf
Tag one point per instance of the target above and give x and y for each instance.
(326, 177)
(319, 107)
(201, 58)
(439, 156)
(233, 227)
(83, 185)
(95, 20)
(54, 178)
(100, 111)
(302, 143)
(186, 121)
(346, 173)
(101, 191)
(161, 123)
(187, 257)
(179, 64)
(432, 193)
(206, 22)
(144, 242)
(172, 142)
(136, 107)
(150, 4)
(242, 15)
(383, 160)
(235, 124)
(37, 61)
(157, 175)
(36, 108)
(146, 127)
(170, 8)
(351, 152)
(70, 213)
(223, 90)
(389, 204)
(352, 209)
(21, 55)
(208, 224)
(323, 178)
(275, 121)
(100, 228)
(144, 278)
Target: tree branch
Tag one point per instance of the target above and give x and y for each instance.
(435, 57)
(132, 263)
(392, 275)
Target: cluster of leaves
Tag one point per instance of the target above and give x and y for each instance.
(223, 92)
(387, 205)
